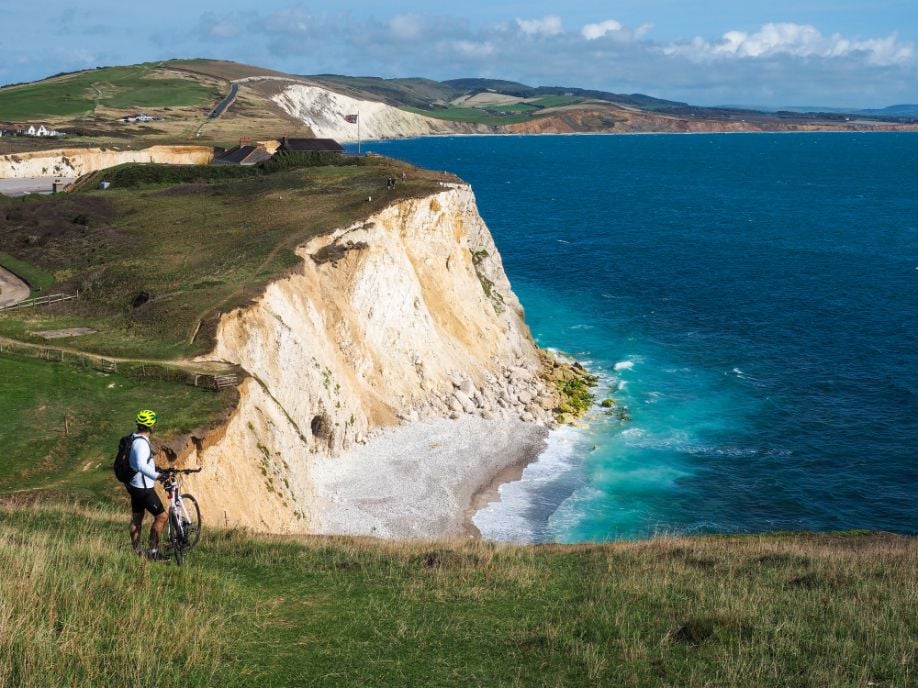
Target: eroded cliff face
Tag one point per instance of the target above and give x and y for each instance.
(74, 162)
(324, 112)
(404, 317)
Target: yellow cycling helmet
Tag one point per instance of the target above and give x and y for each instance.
(146, 418)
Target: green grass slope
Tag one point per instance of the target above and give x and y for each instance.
(78, 94)
(408, 92)
(61, 422)
(77, 609)
(434, 98)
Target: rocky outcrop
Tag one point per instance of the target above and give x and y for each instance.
(74, 162)
(324, 112)
(404, 317)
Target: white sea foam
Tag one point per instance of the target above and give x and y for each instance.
(745, 377)
(511, 518)
(623, 365)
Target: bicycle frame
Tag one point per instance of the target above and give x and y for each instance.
(184, 530)
(173, 488)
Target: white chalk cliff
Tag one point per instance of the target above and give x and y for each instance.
(74, 162)
(324, 112)
(404, 317)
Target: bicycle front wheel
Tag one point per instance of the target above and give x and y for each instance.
(191, 521)
(176, 537)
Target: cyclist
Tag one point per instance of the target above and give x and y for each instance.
(143, 496)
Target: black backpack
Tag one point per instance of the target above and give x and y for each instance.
(122, 464)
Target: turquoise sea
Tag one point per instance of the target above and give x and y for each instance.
(751, 299)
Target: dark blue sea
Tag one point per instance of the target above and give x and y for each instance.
(751, 300)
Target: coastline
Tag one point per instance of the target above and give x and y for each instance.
(489, 491)
(422, 480)
(450, 135)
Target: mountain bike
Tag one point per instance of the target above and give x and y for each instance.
(184, 515)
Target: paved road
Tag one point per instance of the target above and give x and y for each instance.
(27, 185)
(226, 102)
(12, 289)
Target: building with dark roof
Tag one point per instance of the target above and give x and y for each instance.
(242, 155)
(311, 145)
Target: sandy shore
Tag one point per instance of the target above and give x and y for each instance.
(422, 480)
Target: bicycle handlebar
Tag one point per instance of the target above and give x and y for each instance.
(183, 471)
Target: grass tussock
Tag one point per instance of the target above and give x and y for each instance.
(78, 608)
(786, 610)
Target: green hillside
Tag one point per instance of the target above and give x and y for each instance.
(766, 611)
(443, 99)
(80, 93)
(62, 421)
(410, 92)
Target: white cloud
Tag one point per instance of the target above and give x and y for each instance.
(546, 26)
(615, 31)
(593, 31)
(795, 40)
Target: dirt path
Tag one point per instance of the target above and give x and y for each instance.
(12, 289)
(188, 364)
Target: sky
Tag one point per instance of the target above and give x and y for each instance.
(841, 53)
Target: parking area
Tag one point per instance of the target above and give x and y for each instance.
(30, 185)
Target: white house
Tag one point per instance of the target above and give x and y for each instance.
(31, 130)
(39, 130)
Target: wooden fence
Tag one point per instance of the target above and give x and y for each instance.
(40, 301)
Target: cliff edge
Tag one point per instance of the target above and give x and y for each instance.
(405, 318)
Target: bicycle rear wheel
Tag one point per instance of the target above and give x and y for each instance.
(176, 539)
(191, 521)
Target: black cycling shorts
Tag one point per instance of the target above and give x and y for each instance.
(145, 499)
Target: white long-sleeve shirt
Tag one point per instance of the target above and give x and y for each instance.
(141, 460)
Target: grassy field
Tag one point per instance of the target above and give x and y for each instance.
(77, 609)
(61, 423)
(190, 244)
(118, 87)
(556, 101)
